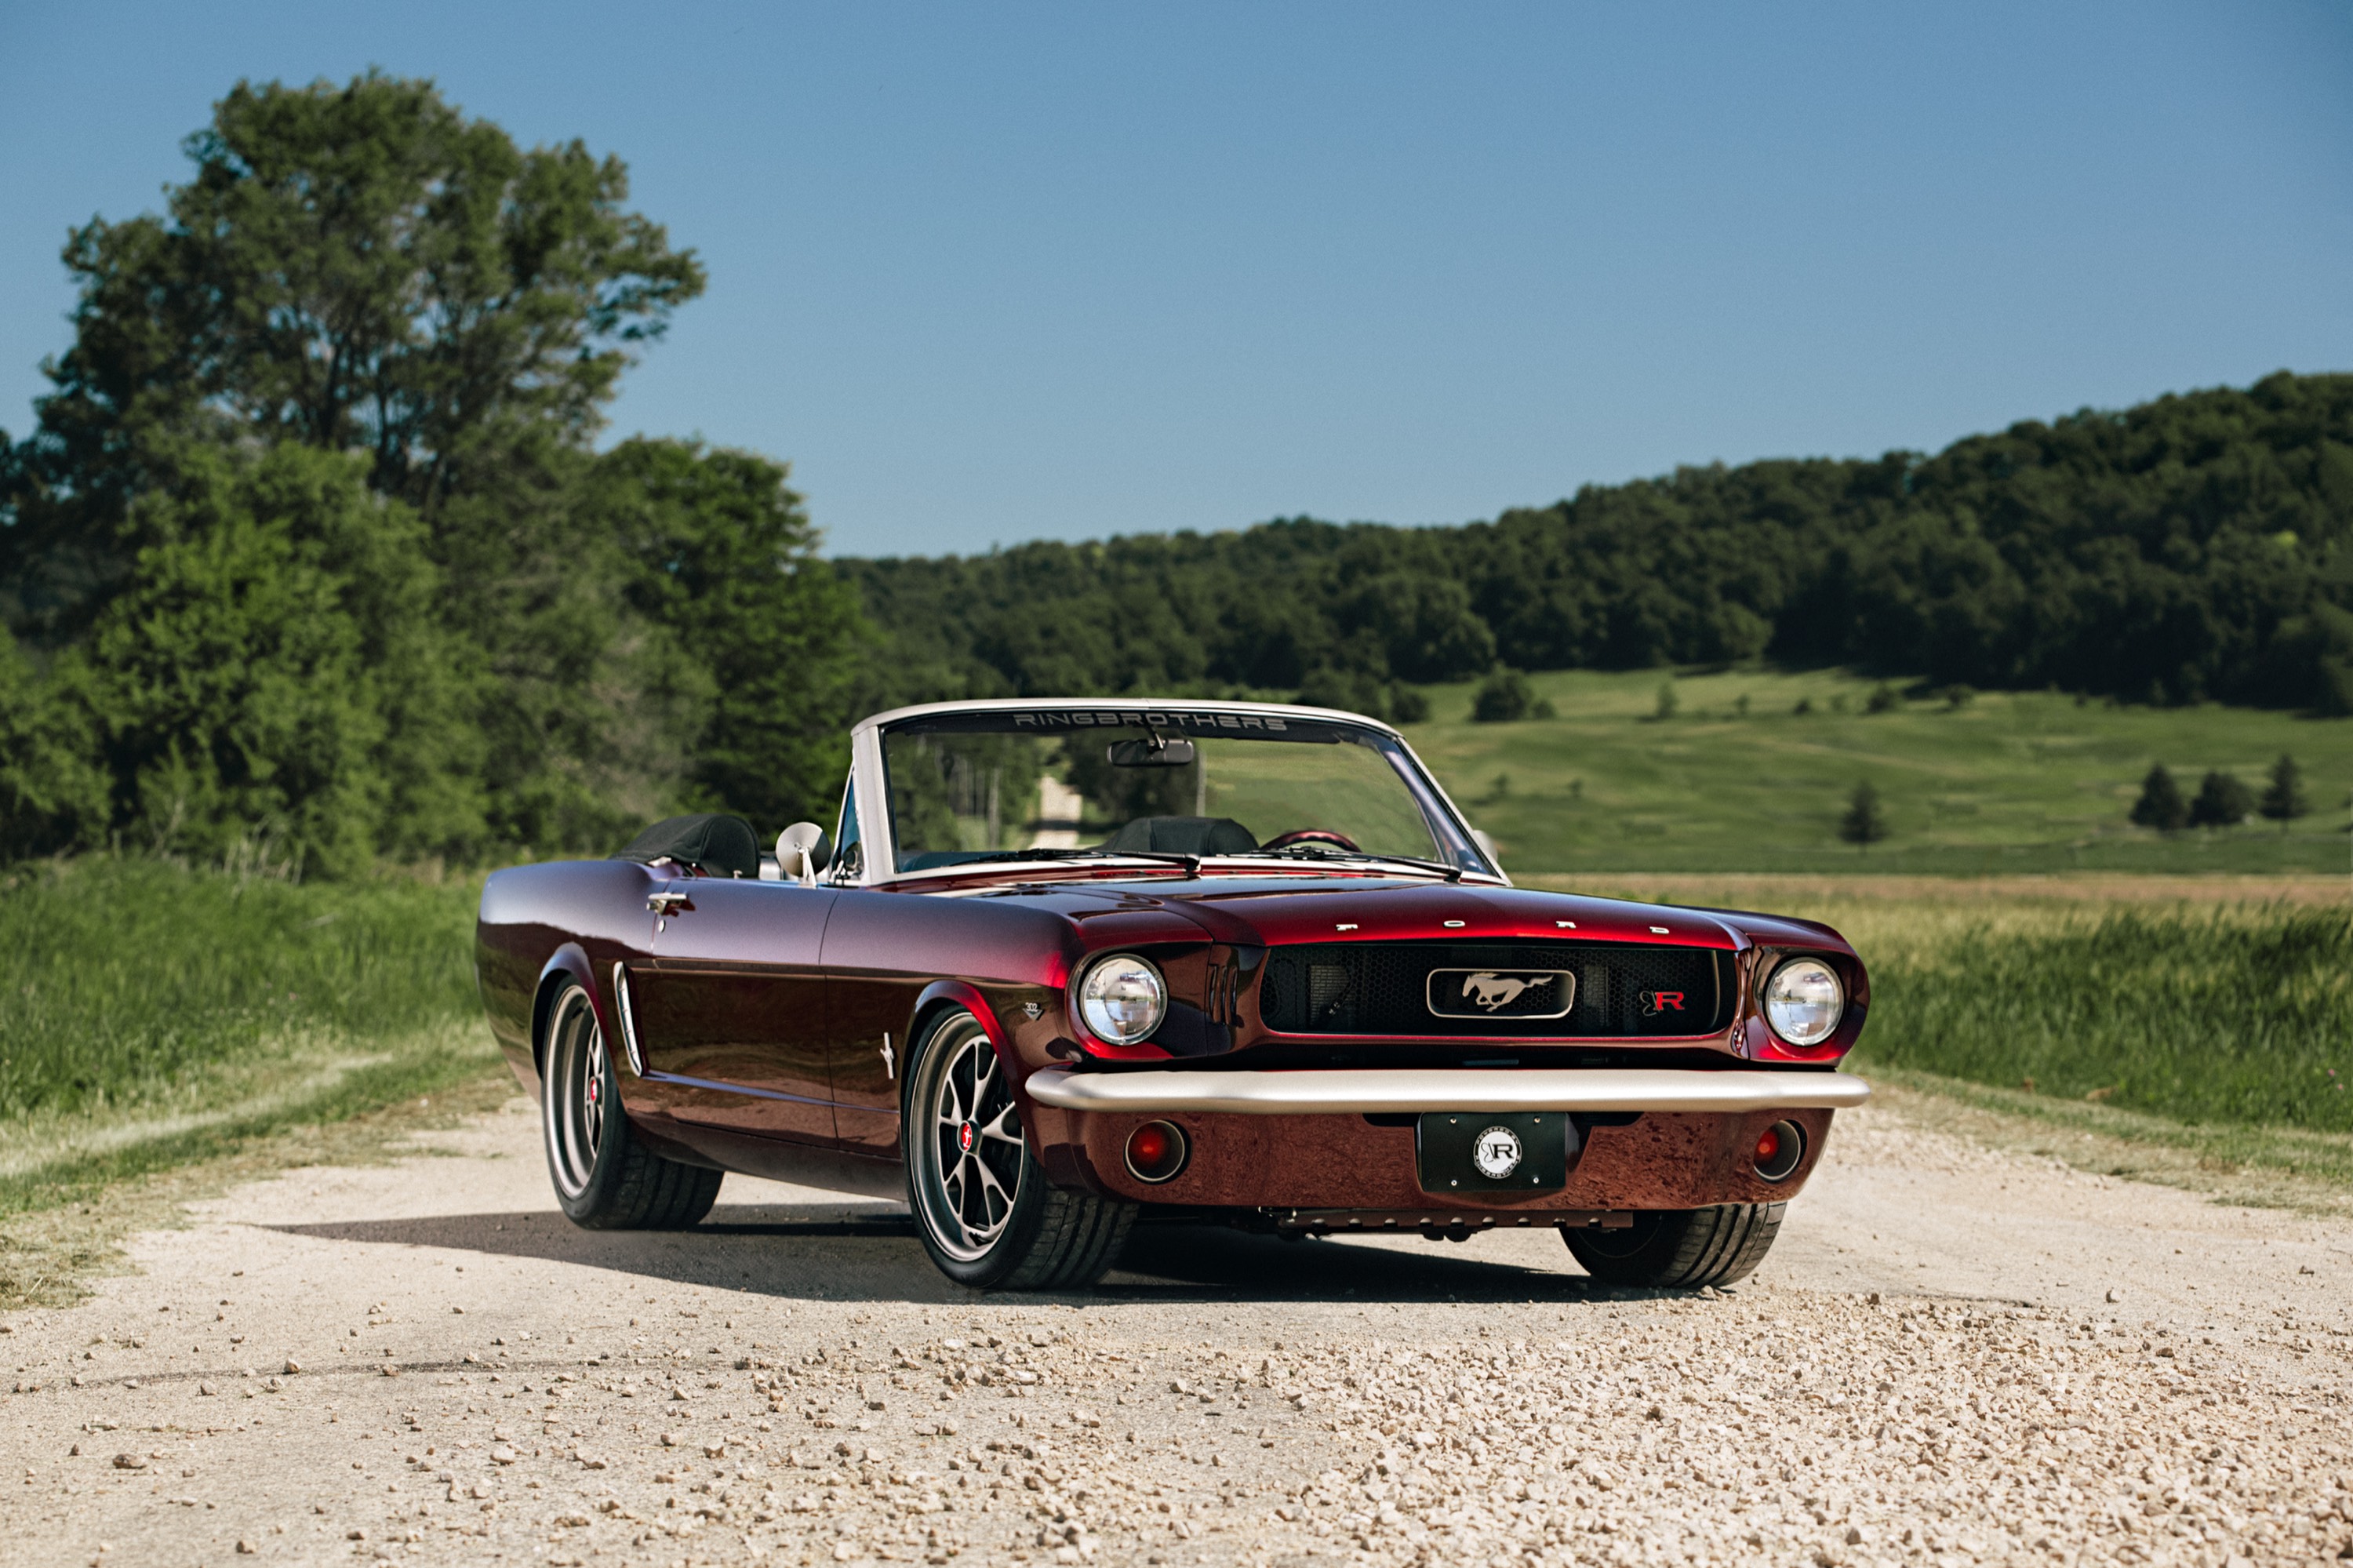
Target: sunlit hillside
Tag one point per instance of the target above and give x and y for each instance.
(1737, 779)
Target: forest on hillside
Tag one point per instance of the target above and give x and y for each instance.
(313, 557)
(2196, 548)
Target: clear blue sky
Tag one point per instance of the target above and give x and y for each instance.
(985, 274)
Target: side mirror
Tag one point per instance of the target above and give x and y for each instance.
(802, 851)
(1152, 753)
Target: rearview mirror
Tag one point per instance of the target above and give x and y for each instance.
(1152, 753)
(802, 851)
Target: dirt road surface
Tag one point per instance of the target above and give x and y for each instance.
(1952, 1356)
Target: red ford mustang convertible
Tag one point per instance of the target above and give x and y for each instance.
(1061, 966)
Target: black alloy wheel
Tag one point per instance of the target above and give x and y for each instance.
(981, 1201)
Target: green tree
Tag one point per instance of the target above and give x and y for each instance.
(361, 271)
(354, 268)
(1866, 822)
(725, 561)
(274, 666)
(2160, 805)
(53, 789)
(2284, 798)
(1667, 701)
(2222, 802)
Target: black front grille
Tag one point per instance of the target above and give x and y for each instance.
(1385, 988)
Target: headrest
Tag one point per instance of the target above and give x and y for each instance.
(714, 842)
(1182, 835)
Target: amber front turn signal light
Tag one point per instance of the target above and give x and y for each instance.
(1156, 1152)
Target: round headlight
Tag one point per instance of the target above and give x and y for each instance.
(1804, 1001)
(1122, 998)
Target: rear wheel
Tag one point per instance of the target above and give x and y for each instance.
(1680, 1249)
(981, 1200)
(605, 1179)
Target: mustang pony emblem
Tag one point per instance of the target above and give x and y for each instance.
(1521, 995)
(1492, 991)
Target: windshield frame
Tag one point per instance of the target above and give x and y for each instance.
(869, 778)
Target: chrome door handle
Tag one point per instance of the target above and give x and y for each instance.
(668, 902)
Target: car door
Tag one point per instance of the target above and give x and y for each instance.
(730, 1013)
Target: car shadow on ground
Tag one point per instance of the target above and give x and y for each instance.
(838, 1252)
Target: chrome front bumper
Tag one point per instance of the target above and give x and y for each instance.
(1371, 1090)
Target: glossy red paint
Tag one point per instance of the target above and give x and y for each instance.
(777, 1021)
(797, 1007)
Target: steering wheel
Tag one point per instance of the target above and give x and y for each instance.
(1310, 836)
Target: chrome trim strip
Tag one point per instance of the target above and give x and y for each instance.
(628, 1020)
(1359, 1090)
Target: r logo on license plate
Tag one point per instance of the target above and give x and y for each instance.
(1495, 1153)
(1459, 1153)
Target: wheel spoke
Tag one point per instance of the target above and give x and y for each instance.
(968, 1194)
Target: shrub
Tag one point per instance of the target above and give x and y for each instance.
(1865, 823)
(1504, 696)
(2222, 803)
(2160, 805)
(2284, 800)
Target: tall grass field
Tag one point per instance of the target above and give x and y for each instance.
(2207, 1016)
(154, 1013)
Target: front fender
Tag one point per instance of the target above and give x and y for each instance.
(568, 961)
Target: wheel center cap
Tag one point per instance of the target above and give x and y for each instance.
(595, 1091)
(965, 1138)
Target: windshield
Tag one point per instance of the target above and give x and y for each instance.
(1050, 784)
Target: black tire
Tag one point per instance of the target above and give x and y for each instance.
(1680, 1249)
(605, 1179)
(981, 1201)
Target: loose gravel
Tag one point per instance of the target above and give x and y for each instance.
(1953, 1357)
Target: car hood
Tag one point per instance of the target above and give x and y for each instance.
(1270, 911)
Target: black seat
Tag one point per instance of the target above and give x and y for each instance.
(714, 842)
(1182, 835)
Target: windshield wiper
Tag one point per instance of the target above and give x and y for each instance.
(1318, 851)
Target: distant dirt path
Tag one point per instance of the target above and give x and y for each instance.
(794, 1383)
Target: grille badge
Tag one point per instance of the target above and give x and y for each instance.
(1501, 993)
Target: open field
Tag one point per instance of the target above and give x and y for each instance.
(158, 1014)
(2011, 782)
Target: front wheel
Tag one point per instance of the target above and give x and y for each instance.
(605, 1179)
(981, 1200)
(1680, 1249)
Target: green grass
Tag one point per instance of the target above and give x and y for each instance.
(2011, 782)
(157, 1014)
(2228, 1017)
(2212, 1031)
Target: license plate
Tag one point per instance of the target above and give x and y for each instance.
(1478, 1152)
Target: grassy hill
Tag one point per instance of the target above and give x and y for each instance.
(2010, 782)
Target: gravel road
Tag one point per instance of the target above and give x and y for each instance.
(1952, 1356)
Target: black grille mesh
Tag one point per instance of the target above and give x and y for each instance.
(1368, 988)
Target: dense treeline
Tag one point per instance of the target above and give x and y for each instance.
(2198, 546)
(310, 559)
